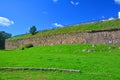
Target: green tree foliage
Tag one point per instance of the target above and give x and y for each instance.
(33, 30)
(3, 36)
(2, 41)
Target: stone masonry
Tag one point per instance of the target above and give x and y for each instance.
(103, 37)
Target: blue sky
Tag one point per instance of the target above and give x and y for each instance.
(17, 16)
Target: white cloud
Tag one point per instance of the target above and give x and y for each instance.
(103, 17)
(5, 21)
(57, 25)
(44, 12)
(111, 18)
(74, 3)
(55, 1)
(117, 1)
(103, 20)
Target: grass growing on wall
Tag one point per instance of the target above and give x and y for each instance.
(89, 27)
(101, 62)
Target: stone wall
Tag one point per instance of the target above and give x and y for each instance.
(103, 37)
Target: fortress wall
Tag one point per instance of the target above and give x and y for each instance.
(105, 37)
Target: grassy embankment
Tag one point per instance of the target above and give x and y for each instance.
(100, 63)
(89, 27)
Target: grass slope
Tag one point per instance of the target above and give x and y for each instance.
(89, 27)
(102, 63)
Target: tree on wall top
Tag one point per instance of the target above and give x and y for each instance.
(33, 30)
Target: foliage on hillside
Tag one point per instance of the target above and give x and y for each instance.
(88, 27)
(3, 36)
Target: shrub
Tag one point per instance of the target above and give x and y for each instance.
(28, 45)
(22, 47)
(25, 46)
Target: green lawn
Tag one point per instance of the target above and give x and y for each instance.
(100, 63)
(89, 27)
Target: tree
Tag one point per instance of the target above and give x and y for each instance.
(3, 36)
(2, 41)
(33, 30)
